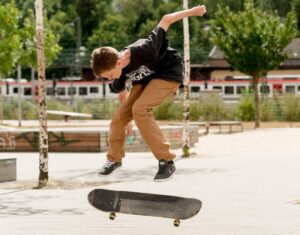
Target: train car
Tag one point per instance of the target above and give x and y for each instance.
(233, 89)
(62, 90)
(228, 89)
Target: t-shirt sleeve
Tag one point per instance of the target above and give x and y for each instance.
(154, 46)
(117, 85)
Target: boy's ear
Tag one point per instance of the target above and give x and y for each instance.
(119, 62)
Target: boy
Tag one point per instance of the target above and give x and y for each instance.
(156, 71)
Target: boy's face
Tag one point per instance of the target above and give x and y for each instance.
(114, 73)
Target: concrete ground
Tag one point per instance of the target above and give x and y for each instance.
(248, 183)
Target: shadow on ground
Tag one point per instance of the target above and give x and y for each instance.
(12, 205)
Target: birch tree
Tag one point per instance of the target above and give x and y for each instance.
(186, 95)
(43, 137)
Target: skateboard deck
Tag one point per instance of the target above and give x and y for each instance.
(145, 204)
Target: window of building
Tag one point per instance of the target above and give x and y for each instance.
(240, 89)
(71, 90)
(264, 89)
(229, 90)
(82, 91)
(217, 88)
(290, 89)
(27, 91)
(94, 90)
(195, 89)
(61, 91)
(50, 91)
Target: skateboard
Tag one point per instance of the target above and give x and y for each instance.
(145, 204)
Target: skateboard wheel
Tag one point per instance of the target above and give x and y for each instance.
(176, 223)
(112, 216)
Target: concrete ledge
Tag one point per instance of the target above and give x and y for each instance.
(8, 170)
(85, 139)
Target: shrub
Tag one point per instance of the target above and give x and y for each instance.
(10, 108)
(195, 111)
(213, 108)
(268, 110)
(245, 108)
(169, 110)
(290, 108)
(210, 107)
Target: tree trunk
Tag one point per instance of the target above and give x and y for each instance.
(186, 100)
(256, 101)
(43, 138)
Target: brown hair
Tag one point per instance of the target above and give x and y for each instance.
(104, 59)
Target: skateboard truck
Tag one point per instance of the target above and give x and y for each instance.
(113, 215)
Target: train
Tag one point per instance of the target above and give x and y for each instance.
(229, 89)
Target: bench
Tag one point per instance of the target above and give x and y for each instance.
(68, 114)
(228, 124)
(203, 125)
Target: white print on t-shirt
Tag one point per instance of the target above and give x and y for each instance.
(140, 73)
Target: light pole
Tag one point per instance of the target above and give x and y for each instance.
(261, 4)
(80, 50)
(19, 71)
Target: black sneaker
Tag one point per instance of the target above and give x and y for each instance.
(109, 167)
(165, 170)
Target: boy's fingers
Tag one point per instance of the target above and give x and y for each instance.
(201, 9)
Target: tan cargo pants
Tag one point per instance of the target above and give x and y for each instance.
(138, 106)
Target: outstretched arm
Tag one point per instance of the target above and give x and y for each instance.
(122, 97)
(169, 19)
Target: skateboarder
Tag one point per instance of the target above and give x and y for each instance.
(156, 72)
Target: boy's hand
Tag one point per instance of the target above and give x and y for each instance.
(199, 10)
(129, 129)
(171, 18)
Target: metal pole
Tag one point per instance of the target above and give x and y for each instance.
(78, 45)
(33, 84)
(261, 5)
(186, 99)
(19, 72)
(43, 148)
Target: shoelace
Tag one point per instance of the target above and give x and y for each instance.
(108, 164)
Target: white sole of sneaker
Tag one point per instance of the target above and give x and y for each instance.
(166, 179)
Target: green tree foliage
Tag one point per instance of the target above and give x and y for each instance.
(28, 55)
(18, 38)
(86, 9)
(253, 41)
(124, 21)
(120, 22)
(10, 41)
(297, 10)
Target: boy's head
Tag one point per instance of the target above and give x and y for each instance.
(105, 62)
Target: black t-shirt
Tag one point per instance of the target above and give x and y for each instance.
(150, 58)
